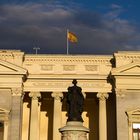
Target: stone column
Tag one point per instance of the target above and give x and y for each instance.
(102, 116)
(5, 130)
(16, 114)
(34, 116)
(39, 113)
(57, 115)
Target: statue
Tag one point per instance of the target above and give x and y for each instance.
(75, 100)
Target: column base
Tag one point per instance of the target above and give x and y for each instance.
(74, 131)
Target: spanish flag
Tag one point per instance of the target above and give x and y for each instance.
(72, 37)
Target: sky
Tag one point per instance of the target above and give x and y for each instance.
(101, 26)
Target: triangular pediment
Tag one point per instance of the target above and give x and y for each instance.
(129, 69)
(133, 112)
(9, 68)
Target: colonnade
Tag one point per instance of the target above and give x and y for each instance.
(34, 116)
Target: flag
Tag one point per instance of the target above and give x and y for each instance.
(72, 37)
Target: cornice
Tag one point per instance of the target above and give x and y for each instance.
(12, 68)
(128, 55)
(69, 58)
(9, 53)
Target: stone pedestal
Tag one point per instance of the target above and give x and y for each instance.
(74, 131)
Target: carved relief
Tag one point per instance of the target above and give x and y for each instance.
(120, 93)
(16, 91)
(47, 67)
(68, 67)
(91, 67)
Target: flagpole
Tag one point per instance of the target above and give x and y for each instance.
(67, 42)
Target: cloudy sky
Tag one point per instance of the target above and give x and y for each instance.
(102, 26)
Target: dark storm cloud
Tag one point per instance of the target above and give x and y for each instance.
(44, 25)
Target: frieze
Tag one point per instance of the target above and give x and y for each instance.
(91, 67)
(50, 84)
(68, 67)
(66, 84)
(47, 67)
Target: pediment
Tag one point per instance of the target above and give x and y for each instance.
(133, 112)
(7, 68)
(129, 69)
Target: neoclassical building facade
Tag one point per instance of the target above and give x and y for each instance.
(33, 89)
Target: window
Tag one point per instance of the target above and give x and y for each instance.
(4, 117)
(133, 124)
(136, 131)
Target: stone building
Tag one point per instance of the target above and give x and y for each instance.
(32, 88)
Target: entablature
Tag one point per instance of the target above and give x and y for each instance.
(61, 85)
(67, 64)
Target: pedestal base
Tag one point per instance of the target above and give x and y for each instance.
(74, 131)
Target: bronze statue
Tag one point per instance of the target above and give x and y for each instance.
(75, 100)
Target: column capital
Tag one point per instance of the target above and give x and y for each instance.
(17, 91)
(57, 95)
(35, 95)
(102, 96)
(120, 93)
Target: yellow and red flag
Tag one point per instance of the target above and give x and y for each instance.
(72, 37)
